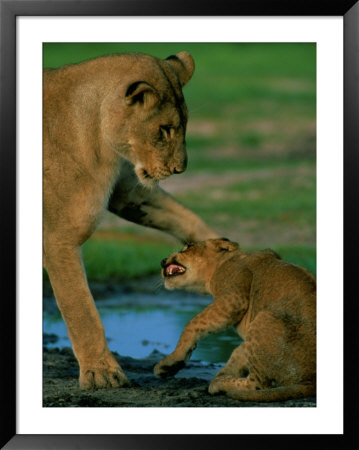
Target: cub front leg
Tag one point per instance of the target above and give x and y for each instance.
(157, 209)
(98, 367)
(215, 317)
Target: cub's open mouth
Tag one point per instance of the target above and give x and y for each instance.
(173, 269)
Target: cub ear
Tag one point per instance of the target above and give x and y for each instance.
(141, 93)
(183, 64)
(271, 252)
(225, 245)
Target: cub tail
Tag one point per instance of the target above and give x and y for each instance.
(274, 394)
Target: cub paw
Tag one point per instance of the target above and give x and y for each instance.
(99, 378)
(168, 367)
(217, 385)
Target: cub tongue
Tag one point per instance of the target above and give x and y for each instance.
(173, 268)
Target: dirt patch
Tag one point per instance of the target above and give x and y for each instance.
(205, 128)
(261, 234)
(292, 85)
(250, 232)
(186, 389)
(203, 180)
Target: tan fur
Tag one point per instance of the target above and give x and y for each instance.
(113, 127)
(272, 305)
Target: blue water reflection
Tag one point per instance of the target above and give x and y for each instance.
(138, 323)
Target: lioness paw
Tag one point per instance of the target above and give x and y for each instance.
(168, 367)
(103, 378)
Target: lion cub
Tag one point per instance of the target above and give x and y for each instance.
(272, 305)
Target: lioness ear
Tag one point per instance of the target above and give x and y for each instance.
(184, 66)
(141, 93)
(225, 245)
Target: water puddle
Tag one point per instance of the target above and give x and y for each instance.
(138, 323)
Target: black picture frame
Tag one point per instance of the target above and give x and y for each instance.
(9, 10)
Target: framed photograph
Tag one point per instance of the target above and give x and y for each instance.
(271, 139)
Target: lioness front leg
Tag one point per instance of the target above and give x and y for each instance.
(98, 367)
(213, 318)
(157, 209)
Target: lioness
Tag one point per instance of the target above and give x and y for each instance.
(272, 305)
(113, 127)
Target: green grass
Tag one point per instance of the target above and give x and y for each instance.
(116, 261)
(284, 199)
(224, 164)
(299, 255)
(225, 75)
(252, 108)
(263, 58)
(121, 260)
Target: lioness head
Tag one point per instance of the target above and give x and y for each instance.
(145, 117)
(192, 268)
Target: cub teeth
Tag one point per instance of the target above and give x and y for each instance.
(174, 269)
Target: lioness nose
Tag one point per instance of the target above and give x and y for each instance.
(180, 165)
(163, 262)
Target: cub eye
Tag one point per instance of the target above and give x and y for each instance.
(167, 131)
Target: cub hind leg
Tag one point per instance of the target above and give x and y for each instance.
(253, 365)
(235, 375)
(266, 368)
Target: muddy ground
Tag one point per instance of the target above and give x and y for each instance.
(188, 388)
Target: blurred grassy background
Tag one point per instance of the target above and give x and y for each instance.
(251, 143)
